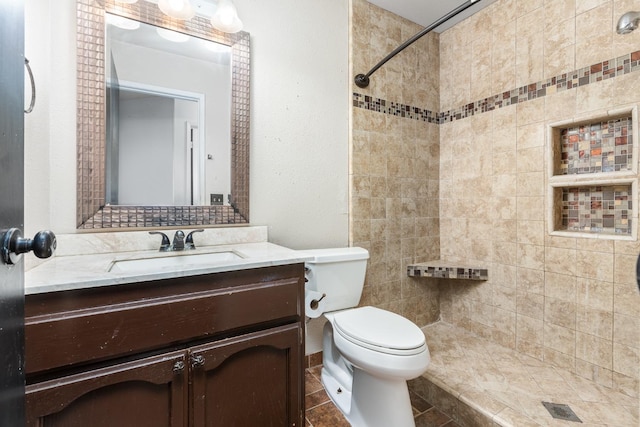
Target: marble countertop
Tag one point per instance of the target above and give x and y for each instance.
(69, 272)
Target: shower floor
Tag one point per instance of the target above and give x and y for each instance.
(479, 383)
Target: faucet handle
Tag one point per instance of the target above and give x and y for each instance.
(189, 240)
(166, 244)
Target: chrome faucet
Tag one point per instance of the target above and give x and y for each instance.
(180, 243)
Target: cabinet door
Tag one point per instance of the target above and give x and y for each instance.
(146, 392)
(250, 380)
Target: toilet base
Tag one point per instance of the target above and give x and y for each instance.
(339, 395)
(375, 402)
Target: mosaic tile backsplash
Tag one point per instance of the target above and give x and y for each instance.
(597, 147)
(600, 209)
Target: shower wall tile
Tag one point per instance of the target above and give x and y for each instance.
(560, 286)
(626, 360)
(530, 304)
(529, 336)
(529, 41)
(593, 42)
(625, 330)
(474, 188)
(594, 322)
(526, 6)
(596, 351)
(586, 5)
(481, 64)
(560, 313)
(625, 299)
(594, 265)
(595, 294)
(624, 268)
(395, 161)
(503, 57)
(531, 232)
(560, 344)
(529, 207)
(569, 299)
(532, 281)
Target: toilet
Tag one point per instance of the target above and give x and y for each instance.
(368, 353)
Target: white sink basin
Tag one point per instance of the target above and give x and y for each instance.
(172, 261)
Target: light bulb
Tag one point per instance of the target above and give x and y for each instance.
(226, 17)
(179, 9)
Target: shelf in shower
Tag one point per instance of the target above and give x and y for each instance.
(447, 270)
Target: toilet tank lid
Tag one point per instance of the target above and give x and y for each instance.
(336, 254)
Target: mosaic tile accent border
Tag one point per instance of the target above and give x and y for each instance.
(597, 72)
(91, 102)
(394, 109)
(598, 209)
(447, 272)
(597, 147)
(162, 216)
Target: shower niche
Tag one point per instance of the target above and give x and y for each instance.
(593, 176)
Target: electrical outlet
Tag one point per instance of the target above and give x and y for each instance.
(216, 199)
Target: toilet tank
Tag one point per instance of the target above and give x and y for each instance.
(339, 273)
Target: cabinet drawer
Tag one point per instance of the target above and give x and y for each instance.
(72, 333)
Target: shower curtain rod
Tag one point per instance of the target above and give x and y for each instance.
(362, 80)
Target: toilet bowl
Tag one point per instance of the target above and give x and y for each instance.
(365, 369)
(368, 353)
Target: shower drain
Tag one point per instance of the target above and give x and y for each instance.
(561, 412)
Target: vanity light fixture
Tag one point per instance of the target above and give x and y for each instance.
(226, 17)
(178, 9)
(222, 13)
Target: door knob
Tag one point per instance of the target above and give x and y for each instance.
(14, 245)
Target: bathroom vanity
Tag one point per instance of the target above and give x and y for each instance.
(221, 345)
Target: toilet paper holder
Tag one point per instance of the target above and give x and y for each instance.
(315, 302)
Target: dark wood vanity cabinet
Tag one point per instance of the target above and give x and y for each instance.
(223, 349)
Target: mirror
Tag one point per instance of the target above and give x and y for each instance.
(124, 180)
(169, 107)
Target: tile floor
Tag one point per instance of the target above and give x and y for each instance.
(479, 383)
(472, 382)
(321, 412)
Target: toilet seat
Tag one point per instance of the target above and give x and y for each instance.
(380, 330)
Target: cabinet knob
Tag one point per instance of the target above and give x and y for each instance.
(178, 366)
(197, 361)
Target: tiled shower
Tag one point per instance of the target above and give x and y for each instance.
(450, 160)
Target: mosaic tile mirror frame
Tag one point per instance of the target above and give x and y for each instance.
(91, 138)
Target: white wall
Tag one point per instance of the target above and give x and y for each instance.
(50, 130)
(299, 119)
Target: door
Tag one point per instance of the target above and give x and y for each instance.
(11, 210)
(249, 380)
(147, 392)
